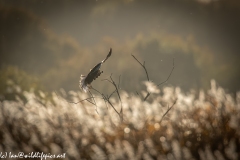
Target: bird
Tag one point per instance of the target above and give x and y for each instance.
(85, 81)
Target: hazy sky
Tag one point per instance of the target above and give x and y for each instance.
(202, 36)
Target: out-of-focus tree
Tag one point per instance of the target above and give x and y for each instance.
(14, 81)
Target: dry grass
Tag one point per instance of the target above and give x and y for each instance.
(199, 126)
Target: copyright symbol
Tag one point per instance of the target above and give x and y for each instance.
(20, 154)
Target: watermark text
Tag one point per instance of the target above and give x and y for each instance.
(32, 155)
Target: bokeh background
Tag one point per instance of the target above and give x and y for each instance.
(49, 44)
(45, 45)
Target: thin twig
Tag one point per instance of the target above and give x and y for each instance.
(111, 94)
(137, 93)
(148, 94)
(86, 99)
(140, 96)
(169, 108)
(168, 75)
(119, 82)
(107, 80)
(94, 101)
(105, 98)
(116, 87)
(143, 65)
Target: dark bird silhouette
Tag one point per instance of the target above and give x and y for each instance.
(85, 81)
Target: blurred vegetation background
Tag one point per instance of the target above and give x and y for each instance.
(46, 45)
(57, 41)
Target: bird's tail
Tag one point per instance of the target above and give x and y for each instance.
(109, 54)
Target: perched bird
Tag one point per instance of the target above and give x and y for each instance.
(85, 81)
